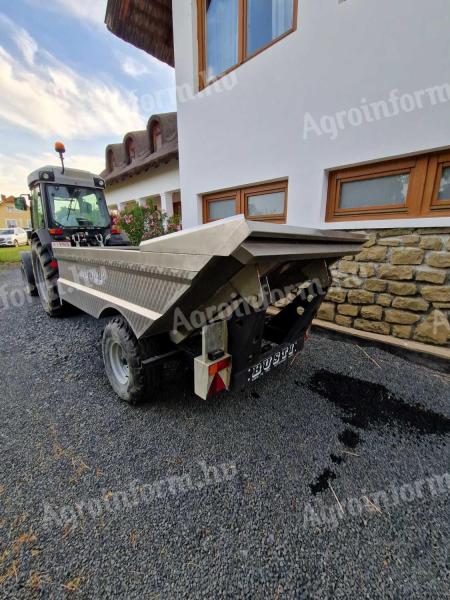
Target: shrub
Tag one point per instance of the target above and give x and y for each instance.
(146, 222)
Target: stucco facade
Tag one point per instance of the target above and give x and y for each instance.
(279, 114)
(162, 185)
(145, 166)
(357, 84)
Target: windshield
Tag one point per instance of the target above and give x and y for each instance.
(73, 206)
(6, 231)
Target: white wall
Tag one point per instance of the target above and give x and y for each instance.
(154, 182)
(341, 53)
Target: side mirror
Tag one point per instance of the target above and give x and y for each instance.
(20, 203)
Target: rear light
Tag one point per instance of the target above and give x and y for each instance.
(54, 264)
(219, 366)
(115, 231)
(308, 333)
(56, 231)
(218, 385)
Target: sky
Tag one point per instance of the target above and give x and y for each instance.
(65, 77)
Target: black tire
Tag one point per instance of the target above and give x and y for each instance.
(123, 356)
(16, 243)
(46, 278)
(26, 268)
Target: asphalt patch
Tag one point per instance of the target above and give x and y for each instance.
(369, 404)
(349, 438)
(321, 485)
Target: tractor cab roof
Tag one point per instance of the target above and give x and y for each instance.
(52, 174)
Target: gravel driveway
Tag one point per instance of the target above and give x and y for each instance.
(327, 479)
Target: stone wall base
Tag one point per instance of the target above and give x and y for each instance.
(398, 285)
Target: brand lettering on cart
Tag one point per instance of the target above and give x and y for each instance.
(93, 276)
(268, 363)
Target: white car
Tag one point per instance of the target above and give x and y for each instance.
(13, 236)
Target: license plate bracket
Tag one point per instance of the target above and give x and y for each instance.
(271, 360)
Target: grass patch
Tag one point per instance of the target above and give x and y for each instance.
(12, 255)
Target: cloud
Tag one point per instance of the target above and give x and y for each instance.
(133, 67)
(48, 98)
(15, 168)
(26, 45)
(87, 11)
(145, 65)
(94, 10)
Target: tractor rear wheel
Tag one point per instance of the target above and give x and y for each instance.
(123, 356)
(46, 278)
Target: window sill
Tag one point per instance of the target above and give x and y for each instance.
(397, 222)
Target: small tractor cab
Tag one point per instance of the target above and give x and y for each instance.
(68, 208)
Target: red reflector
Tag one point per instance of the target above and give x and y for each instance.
(115, 231)
(54, 264)
(219, 366)
(55, 231)
(217, 385)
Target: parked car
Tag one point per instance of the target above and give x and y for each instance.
(14, 236)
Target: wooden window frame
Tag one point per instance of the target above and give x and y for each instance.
(425, 173)
(211, 198)
(240, 196)
(243, 57)
(432, 206)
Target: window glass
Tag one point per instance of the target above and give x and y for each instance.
(220, 209)
(266, 21)
(37, 209)
(266, 204)
(379, 191)
(221, 36)
(73, 206)
(444, 189)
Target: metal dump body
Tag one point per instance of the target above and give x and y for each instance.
(188, 270)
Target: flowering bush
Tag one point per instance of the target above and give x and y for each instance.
(145, 222)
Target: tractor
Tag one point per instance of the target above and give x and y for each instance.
(68, 208)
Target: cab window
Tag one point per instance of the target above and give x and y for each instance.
(37, 209)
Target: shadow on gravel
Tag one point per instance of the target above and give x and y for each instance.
(365, 405)
(321, 485)
(349, 438)
(369, 404)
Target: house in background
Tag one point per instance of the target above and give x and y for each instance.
(10, 216)
(331, 115)
(145, 167)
